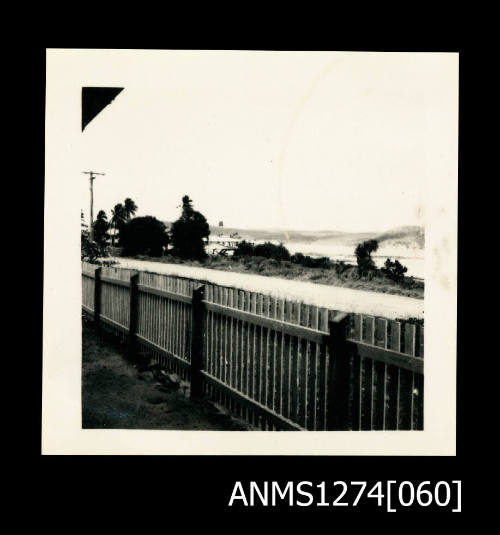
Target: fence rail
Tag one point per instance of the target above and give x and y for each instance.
(277, 364)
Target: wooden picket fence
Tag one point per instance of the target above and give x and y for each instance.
(275, 363)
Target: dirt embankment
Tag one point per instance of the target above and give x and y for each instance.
(117, 395)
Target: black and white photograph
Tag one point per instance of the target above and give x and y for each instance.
(257, 243)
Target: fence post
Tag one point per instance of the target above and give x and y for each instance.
(134, 301)
(97, 295)
(339, 376)
(198, 313)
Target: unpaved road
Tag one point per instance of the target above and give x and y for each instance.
(332, 297)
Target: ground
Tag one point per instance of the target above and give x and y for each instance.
(116, 395)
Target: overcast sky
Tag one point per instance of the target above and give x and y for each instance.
(311, 141)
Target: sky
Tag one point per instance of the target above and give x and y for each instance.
(290, 140)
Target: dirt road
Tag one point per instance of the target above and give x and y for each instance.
(333, 297)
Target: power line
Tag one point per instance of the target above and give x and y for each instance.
(91, 179)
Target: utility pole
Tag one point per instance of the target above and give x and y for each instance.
(92, 178)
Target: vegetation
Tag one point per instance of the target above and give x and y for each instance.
(264, 250)
(129, 208)
(90, 250)
(189, 232)
(270, 250)
(280, 253)
(394, 270)
(100, 228)
(413, 321)
(121, 214)
(340, 274)
(118, 219)
(363, 253)
(118, 395)
(244, 248)
(310, 262)
(147, 238)
(144, 235)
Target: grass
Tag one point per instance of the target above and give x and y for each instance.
(340, 275)
(116, 394)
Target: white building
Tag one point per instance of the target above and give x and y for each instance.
(222, 244)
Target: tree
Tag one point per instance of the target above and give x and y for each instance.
(322, 262)
(188, 232)
(130, 208)
(101, 226)
(89, 250)
(270, 250)
(118, 219)
(143, 235)
(394, 270)
(363, 253)
(244, 248)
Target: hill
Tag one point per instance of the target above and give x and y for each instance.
(408, 236)
(405, 236)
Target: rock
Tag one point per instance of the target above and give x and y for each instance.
(174, 378)
(146, 375)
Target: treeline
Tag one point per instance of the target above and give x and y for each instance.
(280, 253)
(146, 235)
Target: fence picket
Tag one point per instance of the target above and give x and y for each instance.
(394, 378)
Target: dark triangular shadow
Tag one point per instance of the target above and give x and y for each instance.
(95, 99)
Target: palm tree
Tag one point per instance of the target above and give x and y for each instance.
(130, 208)
(101, 226)
(118, 219)
(102, 216)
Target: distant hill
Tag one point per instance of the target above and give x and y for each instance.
(406, 236)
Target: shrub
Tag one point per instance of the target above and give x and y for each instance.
(244, 248)
(308, 261)
(298, 258)
(340, 267)
(394, 270)
(413, 321)
(270, 250)
(90, 251)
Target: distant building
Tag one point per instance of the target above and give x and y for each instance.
(222, 244)
(112, 235)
